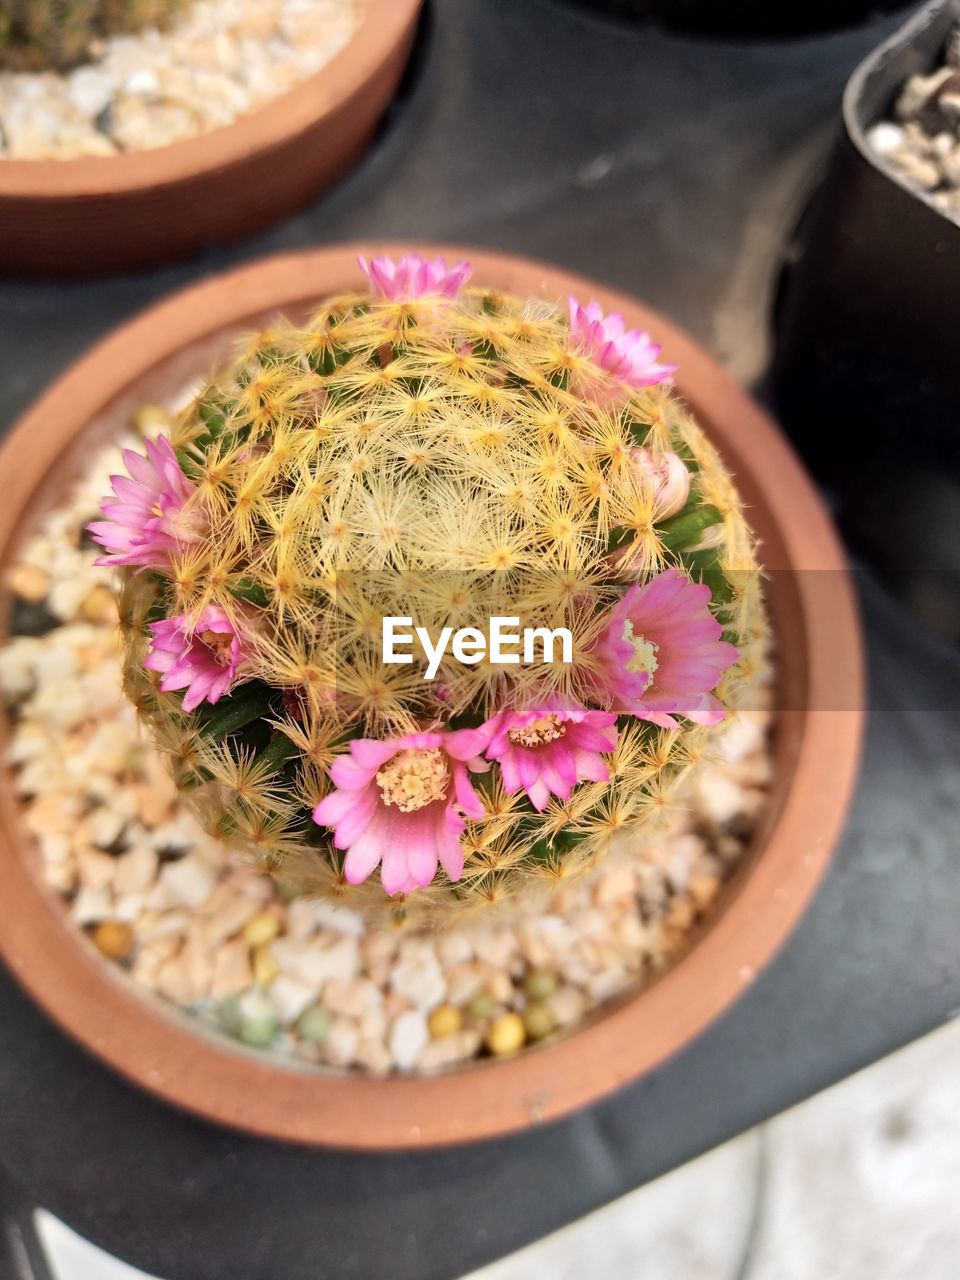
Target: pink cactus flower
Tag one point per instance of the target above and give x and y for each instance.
(627, 354)
(547, 749)
(414, 277)
(400, 803)
(152, 517)
(661, 652)
(205, 659)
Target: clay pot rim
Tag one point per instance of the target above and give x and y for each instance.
(162, 1051)
(319, 98)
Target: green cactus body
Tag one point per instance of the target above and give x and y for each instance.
(428, 459)
(38, 35)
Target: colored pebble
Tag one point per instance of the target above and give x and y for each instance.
(445, 1020)
(538, 1020)
(507, 1034)
(263, 928)
(259, 1022)
(265, 967)
(538, 984)
(314, 1023)
(482, 1007)
(113, 938)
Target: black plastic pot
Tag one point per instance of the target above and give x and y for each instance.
(748, 17)
(866, 375)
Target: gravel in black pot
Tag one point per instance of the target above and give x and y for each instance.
(866, 375)
(748, 17)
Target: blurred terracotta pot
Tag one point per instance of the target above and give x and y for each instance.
(88, 216)
(818, 729)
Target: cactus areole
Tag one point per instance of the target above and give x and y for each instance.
(434, 599)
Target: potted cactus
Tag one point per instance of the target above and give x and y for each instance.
(123, 168)
(348, 579)
(42, 34)
(430, 596)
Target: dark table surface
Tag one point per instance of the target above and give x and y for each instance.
(672, 168)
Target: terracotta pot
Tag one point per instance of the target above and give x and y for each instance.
(817, 739)
(88, 216)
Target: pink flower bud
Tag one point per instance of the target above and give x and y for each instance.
(669, 478)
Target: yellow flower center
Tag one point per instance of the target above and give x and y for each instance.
(644, 652)
(538, 732)
(414, 778)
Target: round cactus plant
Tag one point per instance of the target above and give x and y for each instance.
(433, 599)
(57, 34)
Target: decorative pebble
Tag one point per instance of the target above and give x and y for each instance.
(418, 976)
(373, 1056)
(258, 1019)
(885, 137)
(539, 1020)
(342, 1042)
(719, 796)
(314, 1024)
(616, 882)
(703, 889)
(353, 998)
(446, 1052)
(231, 969)
(568, 1005)
(265, 968)
(315, 963)
(263, 928)
(507, 1034)
(408, 1038)
(28, 582)
(336, 919)
(301, 976)
(538, 984)
(188, 882)
(291, 998)
(230, 1015)
(444, 1021)
(17, 680)
(114, 938)
(225, 912)
(91, 905)
(96, 869)
(482, 1007)
(464, 982)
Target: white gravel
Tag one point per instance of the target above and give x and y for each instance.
(921, 145)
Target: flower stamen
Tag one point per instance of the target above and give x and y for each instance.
(539, 732)
(414, 778)
(644, 651)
